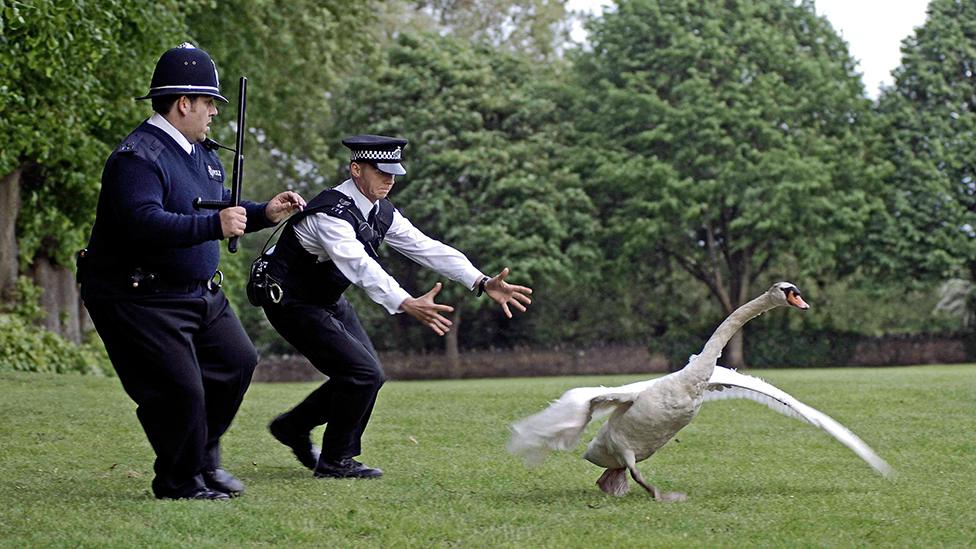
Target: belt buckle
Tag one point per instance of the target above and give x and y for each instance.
(215, 282)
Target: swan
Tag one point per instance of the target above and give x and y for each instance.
(647, 414)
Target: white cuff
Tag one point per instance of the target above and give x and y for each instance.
(393, 300)
(472, 284)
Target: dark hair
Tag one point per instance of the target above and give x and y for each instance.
(164, 103)
(364, 162)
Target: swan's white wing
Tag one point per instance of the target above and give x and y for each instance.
(560, 426)
(727, 384)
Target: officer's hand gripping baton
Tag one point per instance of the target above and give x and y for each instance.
(237, 176)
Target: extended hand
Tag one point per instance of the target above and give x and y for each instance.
(282, 205)
(232, 221)
(506, 294)
(427, 312)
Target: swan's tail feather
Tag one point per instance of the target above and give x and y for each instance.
(728, 384)
(558, 427)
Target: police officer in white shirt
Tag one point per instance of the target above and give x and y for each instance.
(325, 248)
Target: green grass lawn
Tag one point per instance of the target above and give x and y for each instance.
(76, 469)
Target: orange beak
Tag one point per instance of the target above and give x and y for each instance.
(795, 300)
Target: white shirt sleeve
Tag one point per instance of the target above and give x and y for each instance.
(332, 239)
(433, 254)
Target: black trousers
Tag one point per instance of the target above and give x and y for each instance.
(186, 362)
(333, 340)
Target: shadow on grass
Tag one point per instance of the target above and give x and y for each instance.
(777, 490)
(591, 495)
(276, 473)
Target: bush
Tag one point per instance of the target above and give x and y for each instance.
(28, 348)
(771, 345)
(679, 343)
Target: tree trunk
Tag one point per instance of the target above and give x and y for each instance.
(9, 209)
(734, 355)
(451, 352)
(59, 298)
(69, 300)
(45, 278)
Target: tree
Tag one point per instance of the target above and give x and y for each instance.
(294, 54)
(483, 170)
(930, 122)
(68, 73)
(538, 29)
(728, 138)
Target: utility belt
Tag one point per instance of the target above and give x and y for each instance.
(262, 288)
(141, 281)
(144, 281)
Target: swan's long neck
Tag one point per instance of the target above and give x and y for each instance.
(700, 369)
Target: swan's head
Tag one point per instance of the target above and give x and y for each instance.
(786, 293)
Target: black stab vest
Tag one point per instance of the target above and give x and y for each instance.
(302, 277)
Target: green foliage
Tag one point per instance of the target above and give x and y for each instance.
(843, 314)
(29, 348)
(861, 305)
(483, 161)
(68, 73)
(25, 346)
(679, 342)
(294, 53)
(957, 300)
(930, 119)
(754, 478)
(696, 150)
(23, 300)
(727, 138)
(538, 29)
(771, 346)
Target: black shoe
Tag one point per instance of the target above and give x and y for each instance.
(200, 493)
(300, 443)
(222, 481)
(346, 468)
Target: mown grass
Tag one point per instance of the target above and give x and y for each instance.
(76, 470)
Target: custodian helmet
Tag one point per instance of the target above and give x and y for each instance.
(185, 70)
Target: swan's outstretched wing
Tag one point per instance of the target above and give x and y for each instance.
(727, 384)
(559, 426)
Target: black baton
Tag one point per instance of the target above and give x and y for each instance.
(237, 175)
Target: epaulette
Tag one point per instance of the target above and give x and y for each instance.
(142, 144)
(340, 206)
(129, 145)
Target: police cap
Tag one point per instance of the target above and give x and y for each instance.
(185, 70)
(383, 152)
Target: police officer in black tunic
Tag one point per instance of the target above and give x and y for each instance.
(330, 245)
(149, 279)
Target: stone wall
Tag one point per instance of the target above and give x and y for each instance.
(621, 359)
(481, 364)
(904, 350)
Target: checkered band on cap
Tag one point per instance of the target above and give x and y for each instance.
(375, 155)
